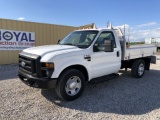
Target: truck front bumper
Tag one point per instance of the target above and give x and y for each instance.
(42, 83)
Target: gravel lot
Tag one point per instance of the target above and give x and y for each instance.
(121, 98)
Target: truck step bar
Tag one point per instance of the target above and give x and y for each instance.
(103, 78)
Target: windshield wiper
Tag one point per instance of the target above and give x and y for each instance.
(70, 44)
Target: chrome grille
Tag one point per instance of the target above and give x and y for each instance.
(29, 64)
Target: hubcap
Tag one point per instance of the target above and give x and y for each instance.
(141, 69)
(73, 85)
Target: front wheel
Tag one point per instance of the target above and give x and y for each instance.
(70, 84)
(138, 68)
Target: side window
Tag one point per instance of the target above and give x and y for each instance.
(102, 37)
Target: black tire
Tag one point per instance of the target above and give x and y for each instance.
(62, 89)
(138, 68)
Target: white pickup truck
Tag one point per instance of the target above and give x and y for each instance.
(82, 56)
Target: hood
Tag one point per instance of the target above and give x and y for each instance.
(42, 50)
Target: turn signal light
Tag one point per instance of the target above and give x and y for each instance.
(49, 65)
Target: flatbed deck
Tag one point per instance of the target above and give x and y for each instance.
(140, 51)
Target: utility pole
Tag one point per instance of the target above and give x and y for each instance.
(124, 29)
(107, 24)
(128, 37)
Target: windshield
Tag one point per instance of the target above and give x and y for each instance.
(81, 39)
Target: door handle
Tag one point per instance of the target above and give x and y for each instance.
(117, 53)
(87, 57)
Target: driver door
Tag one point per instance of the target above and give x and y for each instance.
(104, 63)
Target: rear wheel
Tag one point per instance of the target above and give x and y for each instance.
(138, 68)
(70, 84)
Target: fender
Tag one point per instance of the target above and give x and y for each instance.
(60, 67)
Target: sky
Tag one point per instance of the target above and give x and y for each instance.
(141, 17)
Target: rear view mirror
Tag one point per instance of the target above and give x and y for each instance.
(109, 45)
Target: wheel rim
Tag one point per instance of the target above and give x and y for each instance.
(141, 69)
(73, 85)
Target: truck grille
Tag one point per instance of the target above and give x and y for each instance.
(29, 64)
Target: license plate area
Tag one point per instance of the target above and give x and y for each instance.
(27, 81)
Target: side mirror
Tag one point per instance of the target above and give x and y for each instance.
(58, 41)
(109, 45)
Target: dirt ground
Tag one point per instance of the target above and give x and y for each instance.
(124, 98)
